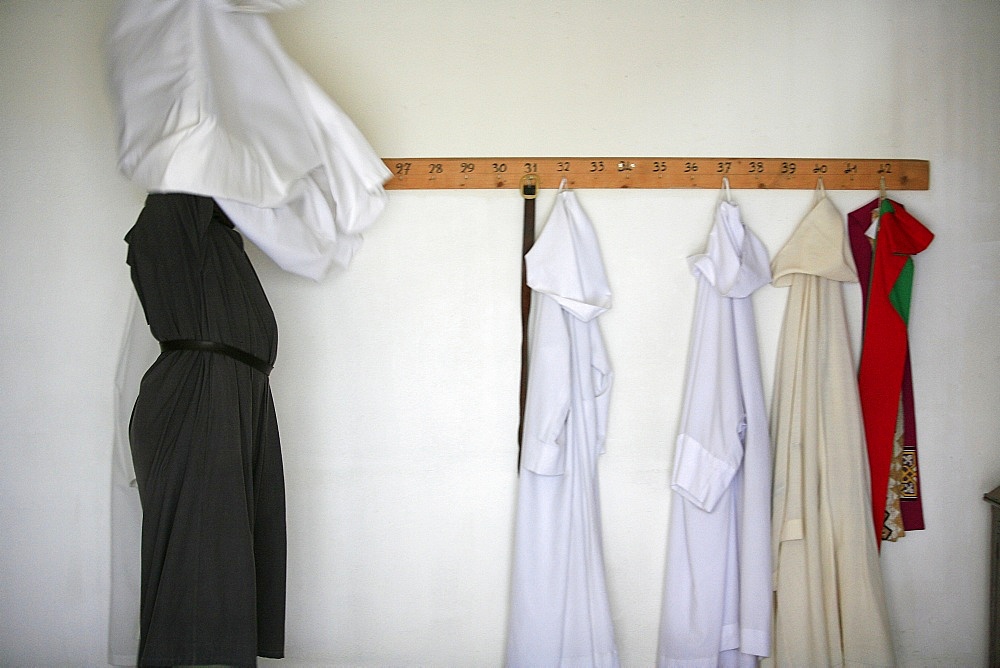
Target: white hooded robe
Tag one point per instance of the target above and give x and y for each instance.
(717, 593)
(559, 611)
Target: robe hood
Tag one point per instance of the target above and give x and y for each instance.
(735, 263)
(565, 262)
(819, 246)
(907, 236)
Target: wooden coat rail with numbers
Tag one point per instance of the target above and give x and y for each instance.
(765, 173)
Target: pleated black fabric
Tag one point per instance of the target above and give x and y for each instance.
(205, 445)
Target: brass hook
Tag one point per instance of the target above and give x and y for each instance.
(529, 186)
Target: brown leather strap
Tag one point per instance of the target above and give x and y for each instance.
(529, 191)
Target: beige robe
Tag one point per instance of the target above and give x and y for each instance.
(830, 605)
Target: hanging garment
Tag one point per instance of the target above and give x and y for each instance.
(204, 444)
(559, 613)
(830, 605)
(904, 508)
(208, 103)
(717, 592)
(884, 377)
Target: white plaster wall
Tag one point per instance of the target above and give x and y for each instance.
(396, 383)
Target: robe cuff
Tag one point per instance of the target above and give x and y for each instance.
(755, 641)
(699, 476)
(544, 457)
(792, 530)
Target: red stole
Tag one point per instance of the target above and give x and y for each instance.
(884, 351)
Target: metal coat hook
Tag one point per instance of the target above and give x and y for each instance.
(726, 190)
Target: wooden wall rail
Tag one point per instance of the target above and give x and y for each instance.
(767, 173)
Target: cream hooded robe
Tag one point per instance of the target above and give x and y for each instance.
(559, 611)
(830, 605)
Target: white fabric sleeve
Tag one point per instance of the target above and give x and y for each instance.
(699, 476)
(543, 447)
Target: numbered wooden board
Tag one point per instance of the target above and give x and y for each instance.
(767, 173)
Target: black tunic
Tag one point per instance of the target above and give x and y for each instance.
(205, 446)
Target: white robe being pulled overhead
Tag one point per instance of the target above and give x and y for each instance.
(830, 604)
(209, 103)
(717, 591)
(559, 611)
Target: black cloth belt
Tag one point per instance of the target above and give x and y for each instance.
(213, 347)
